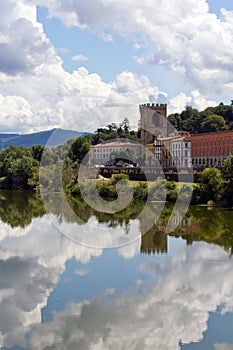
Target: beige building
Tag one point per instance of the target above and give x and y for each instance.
(104, 152)
(173, 150)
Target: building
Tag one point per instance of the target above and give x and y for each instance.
(109, 150)
(150, 154)
(153, 121)
(181, 152)
(211, 149)
(173, 150)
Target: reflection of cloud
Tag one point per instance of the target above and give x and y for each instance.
(130, 250)
(186, 291)
(31, 262)
(25, 287)
(46, 244)
(96, 234)
(16, 232)
(223, 346)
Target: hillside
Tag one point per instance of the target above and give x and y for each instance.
(59, 136)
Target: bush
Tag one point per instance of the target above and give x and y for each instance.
(124, 178)
(107, 191)
(141, 191)
(172, 191)
(158, 191)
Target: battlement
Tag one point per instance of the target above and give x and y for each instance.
(154, 105)
(153, 120)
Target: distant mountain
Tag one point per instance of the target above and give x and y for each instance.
(50, 138)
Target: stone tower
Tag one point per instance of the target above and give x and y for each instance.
(153, 121)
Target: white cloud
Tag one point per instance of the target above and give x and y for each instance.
(37, 93)
(195, 99)
(79, 58)
(23, 44)
(183, 34)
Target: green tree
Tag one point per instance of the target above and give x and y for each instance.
(125, 125)
(17, 167)
(212, 184)
(37, 152)
(78, 150)
(227, 172)
(213, 123)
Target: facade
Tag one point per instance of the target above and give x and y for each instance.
(211, 149)
(104, 152)
(173, 150)
(181, 152)
(150, 152)
(153, 121)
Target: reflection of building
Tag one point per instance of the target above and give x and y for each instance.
(154, 241)
(211, 149)
(153, 121)
(104, 152)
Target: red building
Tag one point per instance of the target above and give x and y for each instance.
(211, 149)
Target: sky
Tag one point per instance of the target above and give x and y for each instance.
(60, 58)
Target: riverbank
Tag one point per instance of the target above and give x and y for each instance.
(160, 190)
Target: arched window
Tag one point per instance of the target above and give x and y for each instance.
(157, 119)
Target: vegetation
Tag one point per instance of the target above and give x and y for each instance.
(113, 131)
(212, 225)
(211, 119)
(19, 166)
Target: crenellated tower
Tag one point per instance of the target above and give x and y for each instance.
(153, 121)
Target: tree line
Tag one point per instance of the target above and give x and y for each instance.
(211, 119)
(19, 165)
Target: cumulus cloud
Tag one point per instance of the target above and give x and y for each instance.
(37, 93)
(183, 34)
(195, 99)
(24, 46)
(60, 95)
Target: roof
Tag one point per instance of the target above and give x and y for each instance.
(116, 144)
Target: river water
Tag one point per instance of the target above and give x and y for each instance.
(110, 281)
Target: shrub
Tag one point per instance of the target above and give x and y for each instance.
(172, 191)
(141, 191)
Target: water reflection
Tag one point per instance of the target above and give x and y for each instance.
(213, 225)
(57, 294)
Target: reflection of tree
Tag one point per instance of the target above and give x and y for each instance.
(19, 208)
(213, 225)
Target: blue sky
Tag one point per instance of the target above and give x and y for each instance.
(60, 58)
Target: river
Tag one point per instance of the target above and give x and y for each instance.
(113, 281)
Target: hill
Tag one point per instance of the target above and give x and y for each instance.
(59, 136)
